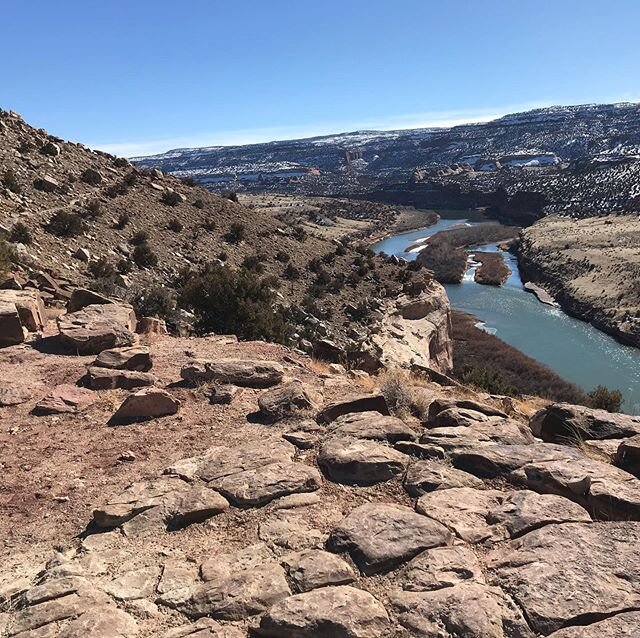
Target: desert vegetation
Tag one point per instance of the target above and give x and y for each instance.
(492, 270)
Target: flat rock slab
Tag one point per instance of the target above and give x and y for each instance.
(315, 568)
(494, 430)
(82, 297)
(106, 621)
(456, 417)
(604, 490)
(472, 610)
(240, 372)
(65, 399)
(284, 401)
(374, 426)
(566, 423)
(239, 593)
(380, 536)
(219, 462)
(364, 403)
(440, 404)
(13, 395)
(624, 625)
(561, 574)
(479, 516)
(194, 505)
(258, 486)
(135, 358)
(421, 450)
(290, 530)
(441, 567)
(148, 403)
(302, 440)
(429, 476)
(107, 379)
(359, 461)
(138, 583)
(339, 612)
(206, 628)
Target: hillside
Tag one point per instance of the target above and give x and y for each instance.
(102, 208)
(358, 161)
(591, 267)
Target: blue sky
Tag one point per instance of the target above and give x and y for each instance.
(142, 76)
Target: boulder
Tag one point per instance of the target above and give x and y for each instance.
(491, 515)
(151, 326)
(359, 461)
(472, 610)
(82, 297)
(194, 505)
(91, 176)
(64, 399)
(568, 424)
(627, 456)
(421, 450)
(440, 404)
(107, 379)
(284, 401)
(457, 417)
(97, 327)
(381, 536)
(374, 426)
(133, 358)
(623, 625)
(254, 487)
(339, 612)
(46, 183)
(313, 568)
(82, 254)
(221, 394)
(429, 476)
(11, 330)
(364, 403)
(495, 430)
(149, 403)
(244, 373)
(562, 575)
(29, 305)
(50, 148)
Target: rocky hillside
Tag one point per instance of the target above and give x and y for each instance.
(591, 267)
(349, 162)
(79, 217)
(204, 487)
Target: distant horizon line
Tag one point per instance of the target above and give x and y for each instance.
(248, 137)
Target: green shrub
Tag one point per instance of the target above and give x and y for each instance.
(64, 224)
(237, 232)
(144, 257)
(227, 301)
(154, 302)
(139, 237)
(255, 263)
(175, 225)
(605, 399)
(124, 266)
(171, 198)
(102, 269)
(10, 182)
(93, 209)
(123, 220)
(20, 234)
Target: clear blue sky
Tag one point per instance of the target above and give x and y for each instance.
(138, 76)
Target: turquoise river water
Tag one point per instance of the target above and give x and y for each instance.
(576, 350)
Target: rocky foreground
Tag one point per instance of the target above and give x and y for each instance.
(159, 486)
(591, 267)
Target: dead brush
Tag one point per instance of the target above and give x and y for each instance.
(402, 396)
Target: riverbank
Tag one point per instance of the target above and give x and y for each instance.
(590, 267)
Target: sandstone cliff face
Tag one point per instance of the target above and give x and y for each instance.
(417, 330)
(590, 267)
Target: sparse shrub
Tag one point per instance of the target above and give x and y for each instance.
(93, 209)
(223, 256)
(329, 258)
(121, 162)
(605, 399)
(154, 302)
(171, 198)
(399, 394)
(188, 181)
(5, 257)
(291, 272)
(254, 263)
(283, 256)
(231, 196)
(238, 302)
(10, 181)
(175, 225)
(323, 278)
(123, 220)
(144, 257)
(20, 234)
(199, 203)
(130, 179)
(314, 264)
(299, 233)
(65, 224)
(236, 234)
(139, 237)
(124, 266)
(340, 250)
(102, 269)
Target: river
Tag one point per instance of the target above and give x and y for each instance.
(574, 349)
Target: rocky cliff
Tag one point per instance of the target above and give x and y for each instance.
(590, 267)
